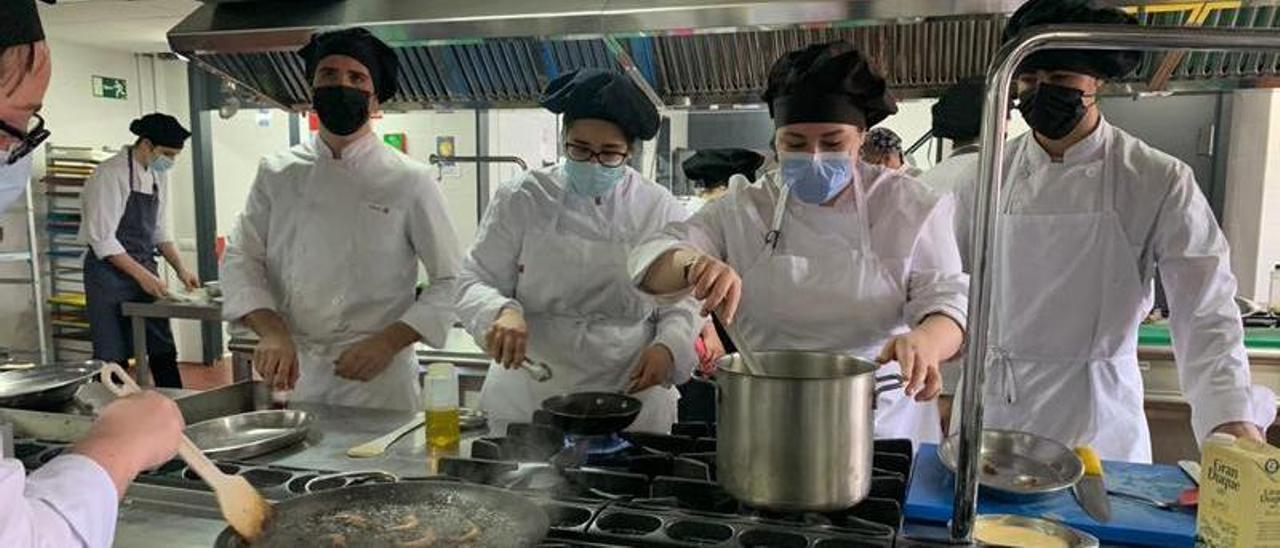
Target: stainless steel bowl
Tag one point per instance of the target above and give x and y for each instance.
(250, 434)
(1072, 537)
(1019, 465)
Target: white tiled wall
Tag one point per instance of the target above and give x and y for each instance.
(1252, 213)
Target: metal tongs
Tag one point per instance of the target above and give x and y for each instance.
(537, 371)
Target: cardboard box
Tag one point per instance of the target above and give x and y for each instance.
(1239, 495)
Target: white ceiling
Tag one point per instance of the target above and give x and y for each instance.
(129, 25)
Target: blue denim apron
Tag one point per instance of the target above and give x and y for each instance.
(107, 288)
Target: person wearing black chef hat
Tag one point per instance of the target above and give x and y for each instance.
(957, 116)
(71, 500)
(124, 204)
(711, 170)
(546, 278)
(25, 70)
(835, 254)
(1093, 213)
(324, 260)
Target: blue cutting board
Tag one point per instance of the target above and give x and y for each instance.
(932, 488)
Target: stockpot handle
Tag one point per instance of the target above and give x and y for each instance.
(894, 380)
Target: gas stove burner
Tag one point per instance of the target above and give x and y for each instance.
(660, 490)
(810, 519)
(347, 479)
(589, 450)
(597, 445)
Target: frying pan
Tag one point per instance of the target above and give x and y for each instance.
(457, 514)
(592, 413)
(43, 387)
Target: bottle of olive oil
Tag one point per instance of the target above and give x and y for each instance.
(440, 394)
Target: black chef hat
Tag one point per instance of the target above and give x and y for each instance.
(958, 113)
(830, 82)
(602, 95)
(714, 166)
(359, 44)
(19, 23)
(160, 129)
(1107, 64)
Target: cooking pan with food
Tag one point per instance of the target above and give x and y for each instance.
(592, 413)
(408, 514)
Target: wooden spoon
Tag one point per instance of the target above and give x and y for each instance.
(242, 506)
(379, 446)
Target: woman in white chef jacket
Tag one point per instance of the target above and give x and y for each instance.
(1088, 214)
(835, 254)
(547, 276)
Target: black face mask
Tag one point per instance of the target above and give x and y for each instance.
(1052, 110)
(341, 109)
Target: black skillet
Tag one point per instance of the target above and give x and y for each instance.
(592, 413)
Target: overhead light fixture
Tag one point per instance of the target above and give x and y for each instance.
(230, 101)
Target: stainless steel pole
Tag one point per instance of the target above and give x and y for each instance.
(985, 236)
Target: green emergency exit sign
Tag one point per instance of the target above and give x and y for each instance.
(110, 88)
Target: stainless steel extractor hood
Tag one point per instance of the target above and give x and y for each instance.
(494, 54)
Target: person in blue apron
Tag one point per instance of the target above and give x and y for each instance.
(123, 206)
(827, 253)
(547, 276)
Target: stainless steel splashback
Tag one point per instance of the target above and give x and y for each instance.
(495, 54)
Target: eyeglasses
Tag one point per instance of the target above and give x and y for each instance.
(27, 140)
(606, 158)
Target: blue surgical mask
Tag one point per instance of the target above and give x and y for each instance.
(14, 178)
(161, 164)
(591, 179)
(816, 178)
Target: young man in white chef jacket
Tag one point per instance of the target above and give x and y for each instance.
(71, 501)
(1088, 214)
(324, 261)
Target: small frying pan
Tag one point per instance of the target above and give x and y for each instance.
(592, 413)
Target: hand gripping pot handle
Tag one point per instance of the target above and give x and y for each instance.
(895, 381)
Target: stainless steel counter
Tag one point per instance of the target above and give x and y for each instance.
(138, 313)
(156, 516)
(337, 429)
(145, 526)
(1168, 412)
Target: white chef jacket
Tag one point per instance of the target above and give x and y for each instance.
(911, 242)
(910, 231)
(105, 195)
(619, 321)
(333, 245)
(1168, 224)
(70, 501)
(952, 172)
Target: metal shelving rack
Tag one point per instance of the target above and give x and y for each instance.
(32, 258)
(67, 170)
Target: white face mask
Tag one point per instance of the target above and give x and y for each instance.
(14, 179)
